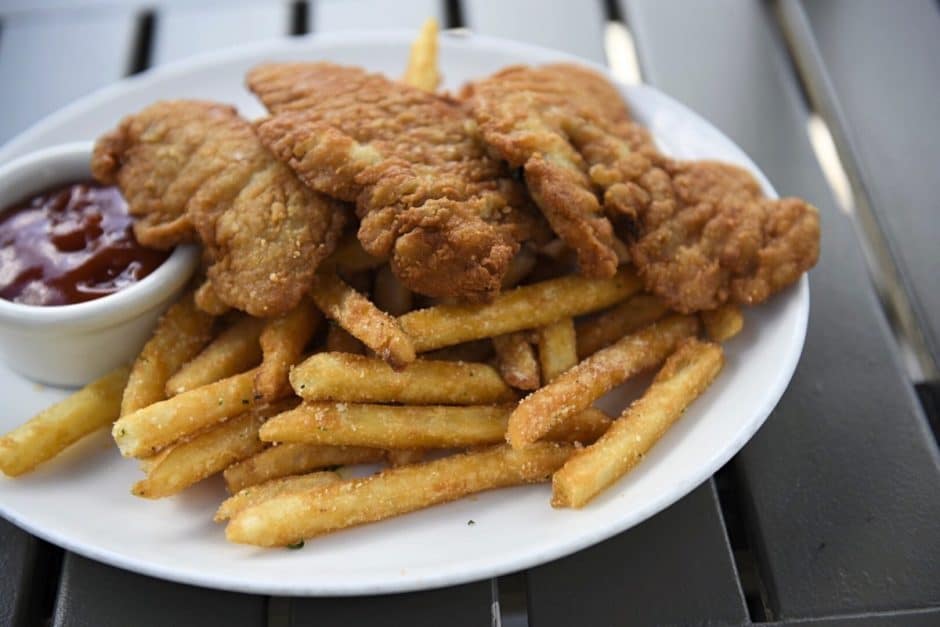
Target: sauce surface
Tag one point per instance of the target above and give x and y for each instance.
(70, 244)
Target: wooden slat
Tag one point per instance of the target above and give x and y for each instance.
(460, 606)
(92, 594)
(575, 27)
(183, 30)
(675, 568)
(872, 69)
(17, 560)
(49, 60)
(334, 15)
(842, 482)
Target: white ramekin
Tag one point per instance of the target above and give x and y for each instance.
(70, 345)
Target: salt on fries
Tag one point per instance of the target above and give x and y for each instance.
(286, 519)
(55, 428)
(404, 426)
(578, 388)
(180, 335)
(681, 380)
(294, 459)
(272, 407)
(345, 377)
(235, 350)
(525, 307)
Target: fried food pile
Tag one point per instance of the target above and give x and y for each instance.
(520, 250)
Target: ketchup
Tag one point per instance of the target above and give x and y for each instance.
(70, 244)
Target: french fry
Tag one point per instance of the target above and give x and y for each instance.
(422, 71)
(208, 301)
(578, 388)
(147, 430)
(516, 361)
(286, 519)
(338, 340)
(364, 321)
(180, 335)
(685, 375)
(52, 430)
(345, 377)
(723, 323)
(627, 317)
(201, 456)
(235, 350)
(282, 343)
(350, 256)
(405, 456)
(408, 426)
(389, 294)
(558, 350)
(294, 459)
(475, 350)
(253, 495)
(526, 307)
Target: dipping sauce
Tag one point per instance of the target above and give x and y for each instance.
(70, 244)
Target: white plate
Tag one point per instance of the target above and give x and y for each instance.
(81, 500)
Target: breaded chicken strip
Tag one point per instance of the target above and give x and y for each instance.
(192, 168)
(429, 197)
(699, 233)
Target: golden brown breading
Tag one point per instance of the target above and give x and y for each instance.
(447, 215)
(699, 233)
(188, 166)
(526, 116)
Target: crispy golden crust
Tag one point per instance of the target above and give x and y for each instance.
(190, 167)
(446, 214)
(525, 116)
(700, 233)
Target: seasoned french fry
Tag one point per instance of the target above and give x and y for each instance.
(345, 377)
(578, 388)
(180, 335)
(525, 307)
(516, 361)
(362, 319)
(519, 268)
(723, 323)
(558, 349)
(282, 343)
(52, 430)
(475, 350)
(235, 350)
(253, 495)
(286, 519)
(338, 340)
(405, 456)
(407, 426)
(627, 317)
(293, 459)
(203, 455)
(350, 256)
(422, 71)
(682, 379)
(207, 300)
(389, 294)
(147, 430)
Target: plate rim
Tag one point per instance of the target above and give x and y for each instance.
(471, 572)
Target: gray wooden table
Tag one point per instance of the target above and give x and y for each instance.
(831, 514)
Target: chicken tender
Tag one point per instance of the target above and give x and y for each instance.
(447, 215)
(699, 233)
(193, 168)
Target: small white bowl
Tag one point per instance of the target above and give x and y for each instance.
(70, 345)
